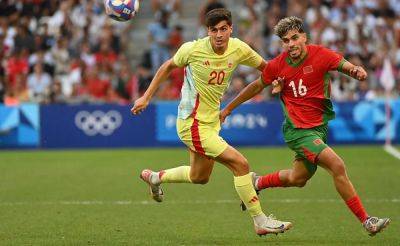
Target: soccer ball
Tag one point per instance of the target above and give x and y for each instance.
(121, 10)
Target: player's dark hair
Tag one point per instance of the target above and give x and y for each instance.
(215, 16)
(287, 24)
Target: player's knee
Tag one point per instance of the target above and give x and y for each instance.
(298, 182)
(199, 180)
(301, 182)
(243, 165)
(339, 168)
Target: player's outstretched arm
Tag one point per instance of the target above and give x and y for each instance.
(356, 72)
(248, 92)
(161, 75)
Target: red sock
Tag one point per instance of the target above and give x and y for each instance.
(269, 180)
(357, 208)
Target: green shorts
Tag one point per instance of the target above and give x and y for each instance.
(307, 143)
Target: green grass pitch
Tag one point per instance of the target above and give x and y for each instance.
(94, 197)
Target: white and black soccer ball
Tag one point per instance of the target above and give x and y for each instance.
(121, 10)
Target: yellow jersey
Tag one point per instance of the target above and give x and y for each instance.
(208, 75)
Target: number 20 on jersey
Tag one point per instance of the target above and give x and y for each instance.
(216, 78)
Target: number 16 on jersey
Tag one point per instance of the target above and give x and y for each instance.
(301, 90)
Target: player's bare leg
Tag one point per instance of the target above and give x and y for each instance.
(201, 168)
(329, 160)
(198, 172)
(239, 166)
(335, 166)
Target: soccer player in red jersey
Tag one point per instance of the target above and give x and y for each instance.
(302, 70)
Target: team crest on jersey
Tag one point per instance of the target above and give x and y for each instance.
(230, 64)
(308, 69)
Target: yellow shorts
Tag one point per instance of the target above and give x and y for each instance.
(201, 138)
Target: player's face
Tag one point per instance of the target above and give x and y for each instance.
(219, 35)
(294, 43)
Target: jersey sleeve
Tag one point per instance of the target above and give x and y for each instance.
(270, 72)
(249, 56)
(181, 57)
(333, 60)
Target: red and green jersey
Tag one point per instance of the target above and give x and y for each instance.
(305, 95)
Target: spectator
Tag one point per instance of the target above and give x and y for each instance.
(78, 67)
(96, 87)
(44, 39)
(208, 6)
(171, 90)
(176, 38)
(127, 86)
(2, 84)
(364, 92)
(144, 79)
(18, 93)
(24, 39)
(39, 83)
(16, 65)
(159, 37)
(342, 89)
(61, 56)
(86, 54)
(56, 94)
(237, 84)
(132, 89)
(167, 5)
(173, 7)
(43, 57)
(106, 56)
(79, 94)
(249, 24)
(397, 90)
(7, 8)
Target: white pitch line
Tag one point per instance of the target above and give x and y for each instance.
(392, 151)
(149, 202)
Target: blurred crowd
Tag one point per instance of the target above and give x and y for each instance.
(69, 51)
(366, 32)
(58, 51)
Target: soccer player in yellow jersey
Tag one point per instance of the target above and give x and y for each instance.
(209, 64)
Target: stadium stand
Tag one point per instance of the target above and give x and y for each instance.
(71, 52)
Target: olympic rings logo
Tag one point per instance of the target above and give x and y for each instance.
(98, 122)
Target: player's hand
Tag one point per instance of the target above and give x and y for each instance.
(140, 105)
(277, 85)
(223, 114)
(358, 72)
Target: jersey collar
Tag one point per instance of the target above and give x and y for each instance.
(295, 64)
